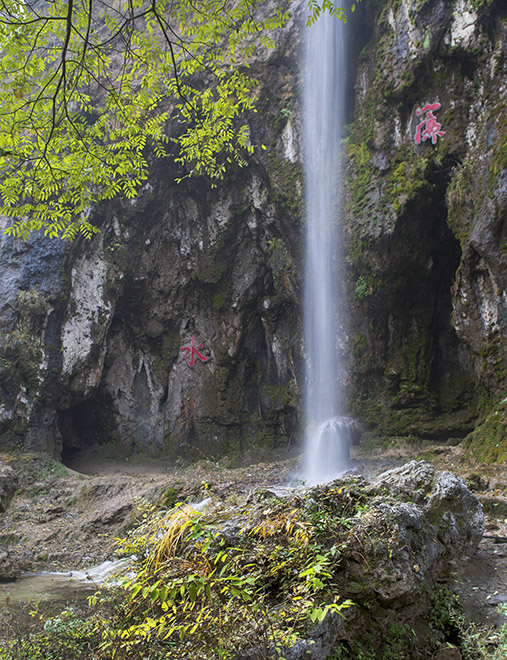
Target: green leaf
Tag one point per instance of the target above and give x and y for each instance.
(135, 590)
(192, 592)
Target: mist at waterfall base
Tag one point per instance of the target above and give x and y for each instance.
(327, 430)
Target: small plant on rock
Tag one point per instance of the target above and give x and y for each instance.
(207, 589)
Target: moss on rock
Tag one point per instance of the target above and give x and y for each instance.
(488, 442)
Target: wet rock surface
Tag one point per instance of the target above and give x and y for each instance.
(482, 584)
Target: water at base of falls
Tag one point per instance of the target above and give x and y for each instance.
(60, 587)
(330, 442)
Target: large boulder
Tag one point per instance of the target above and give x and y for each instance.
(10, 568)
(385, 545)
(417, 524)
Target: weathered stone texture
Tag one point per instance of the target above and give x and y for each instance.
(426, 223)
(91, 333)
(8, 485)
(418, 523)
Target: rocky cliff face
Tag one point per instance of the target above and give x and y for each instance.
(426, 222)
(91, 334)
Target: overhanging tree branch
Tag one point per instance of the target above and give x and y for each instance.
(88, 87)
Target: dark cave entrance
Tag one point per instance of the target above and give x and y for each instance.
(449, 376)
(84, 427)
(421, 259)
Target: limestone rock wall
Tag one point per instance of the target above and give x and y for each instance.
(425, 223)
(91, 333)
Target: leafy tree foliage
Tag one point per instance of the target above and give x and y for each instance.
(315, 9)
(88, 86)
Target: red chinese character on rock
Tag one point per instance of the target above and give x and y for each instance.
(429, 127)
(192, 350)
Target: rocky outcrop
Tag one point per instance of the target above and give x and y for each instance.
(10, 566)
(386, 543)
(426, 222)
(419, 521)
(94, 336)
(10, 569)
(379, 546)
(97, 338)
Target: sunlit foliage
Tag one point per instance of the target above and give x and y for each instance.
(89, 88)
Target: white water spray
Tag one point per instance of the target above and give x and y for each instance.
(326, 442)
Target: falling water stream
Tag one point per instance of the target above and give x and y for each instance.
(326, 449)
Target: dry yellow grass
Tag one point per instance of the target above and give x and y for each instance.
(169, 533)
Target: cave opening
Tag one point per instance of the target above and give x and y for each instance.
(83, 428)
(449, 376)
(423, 258)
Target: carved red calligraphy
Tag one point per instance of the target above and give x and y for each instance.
(429, 127)
(194, 353)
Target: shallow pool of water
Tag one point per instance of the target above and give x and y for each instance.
(37, 587)
(62, 588)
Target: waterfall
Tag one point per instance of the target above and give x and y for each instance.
(326, 442)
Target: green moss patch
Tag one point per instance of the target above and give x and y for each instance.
(488, 442)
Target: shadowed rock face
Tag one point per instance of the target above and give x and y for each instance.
(190, 265)
(426, 223)
(90, 334)
(8, 485)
